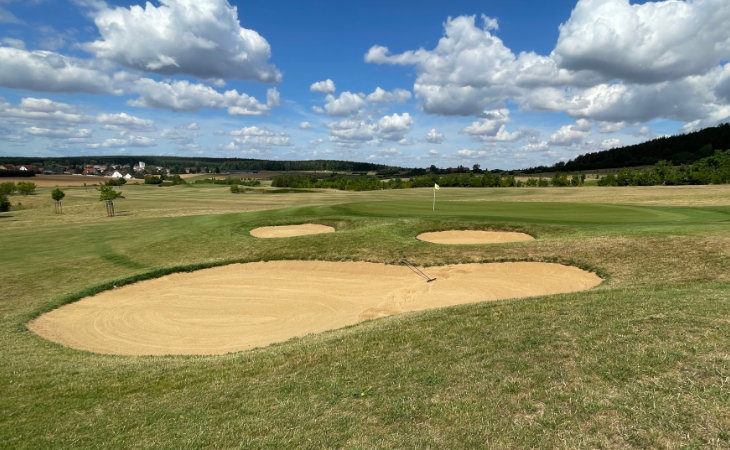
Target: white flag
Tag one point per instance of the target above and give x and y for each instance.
(436, 186)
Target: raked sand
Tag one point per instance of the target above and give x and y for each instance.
(241, 306)
(473, 237)
(285, 231)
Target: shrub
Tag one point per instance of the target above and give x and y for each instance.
(4, 203)
(116, 182)
(577, 180)
(560, 179)
(26, 188)
(608, 180)
(7, 188)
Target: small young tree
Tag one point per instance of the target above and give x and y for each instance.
(57, 195)
(108, 194)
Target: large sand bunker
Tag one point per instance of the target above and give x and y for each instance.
(237, 307)
(285, 231)
(473, 237)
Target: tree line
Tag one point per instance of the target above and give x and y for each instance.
(370, 183)
(16, 173)
(677, 150)
(179, 164)
(713, 169)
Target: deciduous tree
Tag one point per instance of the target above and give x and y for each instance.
(108, 194)
(57, 195)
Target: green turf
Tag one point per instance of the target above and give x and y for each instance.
(641, 361)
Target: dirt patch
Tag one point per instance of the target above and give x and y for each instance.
(291, 230)
(241, 306)
(473, 237)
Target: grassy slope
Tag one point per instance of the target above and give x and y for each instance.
(640, 361)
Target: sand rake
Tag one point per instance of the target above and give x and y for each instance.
(417, 271)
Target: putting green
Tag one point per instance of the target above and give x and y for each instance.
(539, 212)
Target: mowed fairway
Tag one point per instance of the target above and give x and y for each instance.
(640, 361)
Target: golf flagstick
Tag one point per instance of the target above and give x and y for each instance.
(435, 188)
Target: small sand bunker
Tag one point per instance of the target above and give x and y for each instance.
(473, 237)
(291, 230)
(237, 307)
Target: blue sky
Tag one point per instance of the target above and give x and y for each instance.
(412, 83)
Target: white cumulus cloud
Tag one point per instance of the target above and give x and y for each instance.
(572, 134)
(36, 111)
(324, 87)
(352, 133)
(491, 127)
(186, 96)
(45, 71)
(489, 124)
(255, 137)
(123, 141)
(346, 104)
(65, 133)
(202, 38)
(464, 74)
(379, 95)
(434, 137)
(656, 41)
(124, 121)
(394, 127)
(614, 62)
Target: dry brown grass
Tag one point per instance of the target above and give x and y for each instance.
(58, 180)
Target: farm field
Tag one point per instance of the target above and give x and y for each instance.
(640, 361)
(58, 180)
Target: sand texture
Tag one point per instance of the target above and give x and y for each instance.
(241, 306)
(473, 237)
(285, 231)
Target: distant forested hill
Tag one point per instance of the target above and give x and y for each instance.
(680, 149)
(178, 164)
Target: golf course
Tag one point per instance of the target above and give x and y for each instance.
(635, 355)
